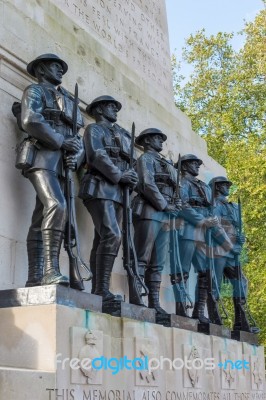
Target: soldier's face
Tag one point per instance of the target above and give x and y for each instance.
(53, 72)
(109, 111)
(223, 188)
(156, 142)
(192, 167)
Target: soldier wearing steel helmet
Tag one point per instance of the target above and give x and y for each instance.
(224, 260)
(151, 209)
(46, 115)
(196, 199)
(107, 148)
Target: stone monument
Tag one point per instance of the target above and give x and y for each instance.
(120, 48)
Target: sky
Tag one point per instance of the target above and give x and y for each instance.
(188, 16)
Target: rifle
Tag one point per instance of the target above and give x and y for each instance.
(130, 261)
(245, 325)
(175, 262)
(71, 236)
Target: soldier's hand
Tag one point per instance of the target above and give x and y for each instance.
(70, 162)
(240, 239)
(72, 144)
(130, 178)
(211, 221)
(236, 250)
(171, 209)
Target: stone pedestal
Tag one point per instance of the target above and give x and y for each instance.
(176, 321)
(242, 336)
(45, 348)
(125, 310)
(213, 329)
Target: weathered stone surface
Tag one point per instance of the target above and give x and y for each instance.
(126, 310)
(247, 337)
(216, 330)
(51, 338)
(50, 294)
(176, 321)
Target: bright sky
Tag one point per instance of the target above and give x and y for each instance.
(188, 16)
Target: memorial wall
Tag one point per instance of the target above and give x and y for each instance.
(118, 48)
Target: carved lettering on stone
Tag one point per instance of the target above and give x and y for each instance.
(86, 345)
(146, 349)
(134, 31)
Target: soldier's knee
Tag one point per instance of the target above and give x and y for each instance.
(61, 209)
(110, 243)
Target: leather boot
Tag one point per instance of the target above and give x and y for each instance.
(213, 310)
(93, 271)
(36, 261)
(104, 266)
(199, 307)
(52, 241)
(241, 321)
(154, 297)
(179, 293)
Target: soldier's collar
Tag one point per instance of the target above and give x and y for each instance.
(222, 199)
(155, 154)
(52, 87)
(107, 123)
(190, 177)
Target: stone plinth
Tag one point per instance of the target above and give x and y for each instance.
(44, 352)
(213, 329)
(126, 310)
(176, 321)
(50, 294)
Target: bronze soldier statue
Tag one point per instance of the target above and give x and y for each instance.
(226, 261)
(46, 116)
(107, 147)
(152, 208)
(196, 199)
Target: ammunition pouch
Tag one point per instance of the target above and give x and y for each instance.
(88, 187)
(198, 202)
(26, 153)
(162, 178)
(53, 117)
(118, 159)
(166, 190)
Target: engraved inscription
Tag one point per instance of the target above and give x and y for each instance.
(136, 31)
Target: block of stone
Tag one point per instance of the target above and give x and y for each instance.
(215, 330)
(243, 336)
(118, 308)
(50, 294)
(176, 321)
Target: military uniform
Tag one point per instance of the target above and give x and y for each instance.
(156, 189)
(226, 261)
(107, 148)
(196, 198)
(46, 115)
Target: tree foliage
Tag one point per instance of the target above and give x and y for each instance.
(225, 99)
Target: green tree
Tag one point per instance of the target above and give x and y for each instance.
(225, 99)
